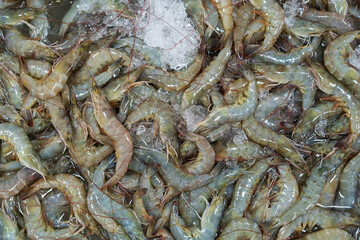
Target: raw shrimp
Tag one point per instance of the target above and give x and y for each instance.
(339, 6)
(209, 221)
(243, 17)
(196, 10)
(152, 197)
(336, 63)
(12, 185)
(16, 93)
(113, 216)
(139, 208)
(40, 23)
(247, 150)
(164, 118)
(205, 160)
(319, 217)
(278, 142)
(11, 17)
(305, 29)
(25, 47)
(19, 141)
(207, 78)
(56, 208)
(255, 31)
(225, 10)
(241, 228)
(8, 227)
(241, 110)
(274, 16)
(8, 114)
(83, 153)
(174, 81)
(36, 226)
(328, 233)
(243, 191)
(173, 175)
(50, 86)
(119, 135)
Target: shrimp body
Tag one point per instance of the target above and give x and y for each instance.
(16, 92)
(245, 151)
(241, 228)
(335, 61)
(225, 10)
(8, 227)
(328, 233)
(275, 18)
(11, 17)
(50, 86)
(119, 135)
(174, 81)
(207, 78)
(278, 142)
(41, 23)
(242, 20)
(164, 117)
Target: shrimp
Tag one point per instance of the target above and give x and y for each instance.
(205, 160)
(349, 102)
(255, 31)
(74, 190)
(40, 23)
(328, 19)
(278, 142)
(173, 175)
(209, 221)
(36, 226)
(56, 209)
(83, 153)
(321, 218)
(116, 89)
(8, 114)
(16, 93)
(225, 9)
(174, 81)
(22, 46)
(193, 203)
(8, 227)
(294, 57)
(36, 68)
(336, 63)
(348, 184)
(287, 195)
(207, 78)
(300, 76)
(12, 17)
(274, 15)
(243, 17)
(13, 184)
(241, 228)
(19, 141)
(241, 110)
(243, 191)
(139, 207)
(113, 216)
(50, 86)
(339, 6)
(310, 192)
(8, 3)
(164, 117)
(241, 152)
(328, 233)
(196, 10)
(119, 135)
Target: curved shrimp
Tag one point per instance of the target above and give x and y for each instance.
(197, 12)
(241, 110)
(40, 23)
(119, 135)
(19, 141)
(278, 142)
(207, 78)
(8, 227)
(205, 160)
(8, 114)
(173, 175)
(225, 10)
(56, 207)
(274, 15)
(139, 208)
(255, 31)
(336, 63)
(12, 185)
(22, 46)
(241, 228)
(50, 86)
(243, 191)
(16, 93)
(328, 233)
(209, 221)
(164, 117)
(323, 218)
(174, 81)
(113, 216)
(36, 226)
(243, 17)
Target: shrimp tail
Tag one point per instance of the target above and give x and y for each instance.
(271, 227)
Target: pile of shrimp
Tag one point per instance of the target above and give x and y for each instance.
(257, 138)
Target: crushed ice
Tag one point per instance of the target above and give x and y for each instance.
(193, 115)
(354, 58)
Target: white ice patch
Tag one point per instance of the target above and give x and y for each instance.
(239, 137)
(319, 128)
(165, 24)
(292, 8)
(354, 58)
(193, 115)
